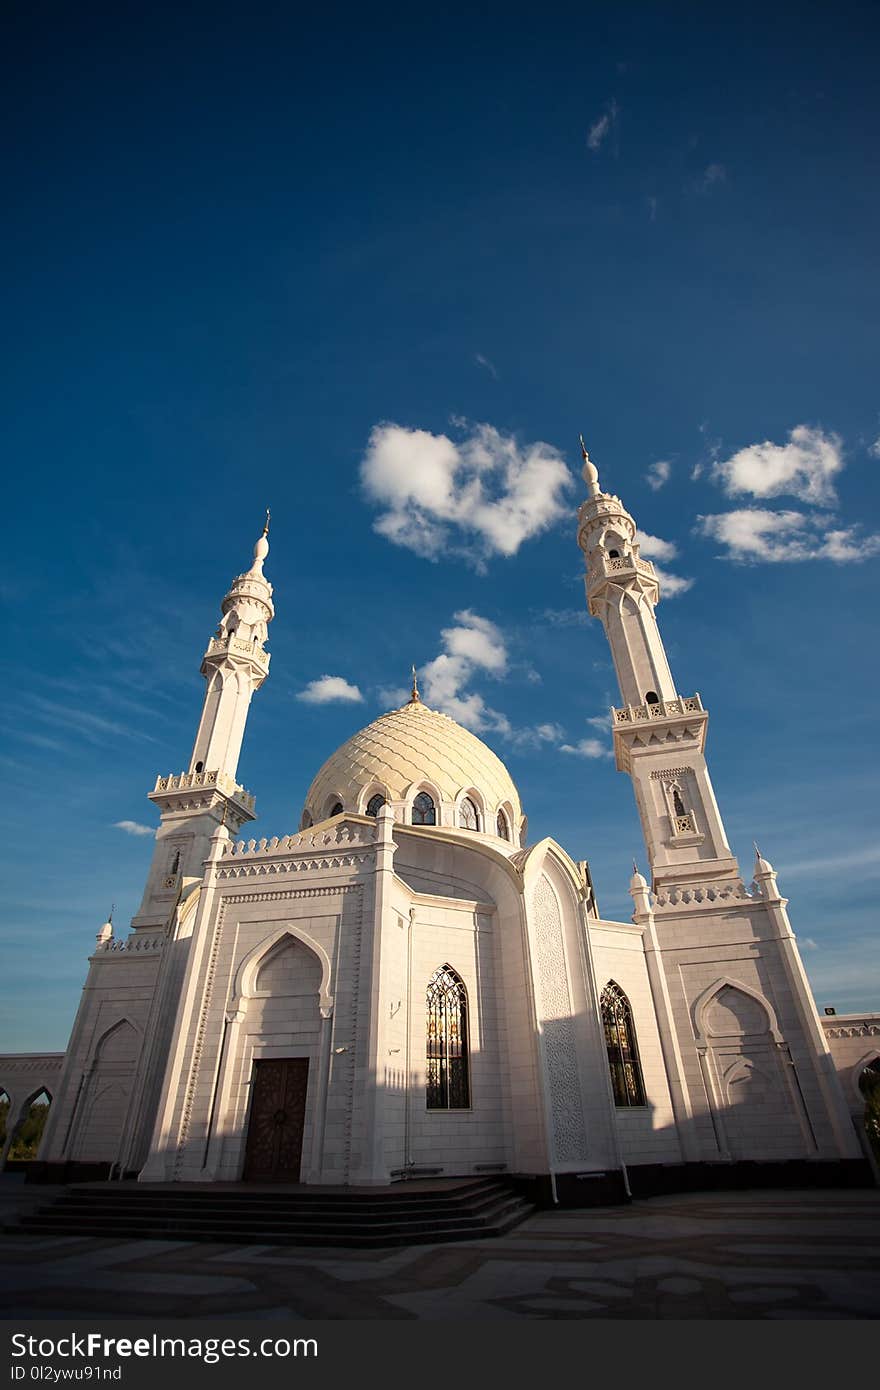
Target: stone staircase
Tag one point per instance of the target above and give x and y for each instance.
(407, 1213)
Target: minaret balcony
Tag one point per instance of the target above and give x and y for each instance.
(197, 791)
(638, 729)
(660, 709)
(238, 646)
(603, 565)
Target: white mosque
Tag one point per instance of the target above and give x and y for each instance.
(406, 986)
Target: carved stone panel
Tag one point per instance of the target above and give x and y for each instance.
(557, 1026)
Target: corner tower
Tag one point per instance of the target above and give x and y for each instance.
(659, 735)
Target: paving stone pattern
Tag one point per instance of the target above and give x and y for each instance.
(744, 1255)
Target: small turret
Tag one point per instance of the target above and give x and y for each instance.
(105, 933)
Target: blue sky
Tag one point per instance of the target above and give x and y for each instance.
(254, 257)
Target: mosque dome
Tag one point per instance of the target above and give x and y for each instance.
(409, 758)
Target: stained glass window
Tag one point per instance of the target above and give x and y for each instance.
(423, 812)
(467, 815)
(620, 1040)
(375, 804)
(501, 826)
(447, 1052)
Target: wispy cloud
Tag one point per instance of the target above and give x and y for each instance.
(754, 534)
(658, 473)
(328, 690)
(475, 646)
(93, 727)
(865, 859)
(804, 467)
(488, 365)
(134, 827)
(874, 449)
(655, 549)
(564, 617)
(712, 176)
(587, 748)
(602, 127)
(436, 493)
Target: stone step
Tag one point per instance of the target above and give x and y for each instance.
(242, 1207)
(474, 1210)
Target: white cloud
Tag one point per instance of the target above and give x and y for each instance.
(564, 617)
(328, 689)
(536, 736)
(490, 367)
(133, 827)
(874, 449)
(598, 130)
(803, 468)
(600, 721)
(603, 126)
(473, 646)
(658, 473)
(587, 748)
(754, 533)
(713, 175)
(483, 496)
(807, 943)
(654, 548)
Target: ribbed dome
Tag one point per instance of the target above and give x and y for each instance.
(409, 748)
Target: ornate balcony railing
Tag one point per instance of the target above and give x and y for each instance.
(660, 709)
(185, 781)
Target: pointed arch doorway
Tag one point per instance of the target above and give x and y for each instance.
(277, 1119)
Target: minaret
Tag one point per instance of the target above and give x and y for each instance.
(234, 666)
(659, 735)
(195, 802)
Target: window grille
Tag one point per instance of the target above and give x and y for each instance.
(448, 1085)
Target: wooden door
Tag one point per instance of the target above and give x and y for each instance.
(278, 1112)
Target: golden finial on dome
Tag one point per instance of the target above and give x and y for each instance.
(268, 519)
(415, 697)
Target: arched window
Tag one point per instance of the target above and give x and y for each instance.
(423, 812)
(501, 826)
(307, 820)
(199, 766)
(336, 809)
(375, 804)
(467, 815)
(652, 698)
(614, 555)
(447, 1053)
(677, 801)
(620, 1040)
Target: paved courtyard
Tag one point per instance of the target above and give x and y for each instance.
(769, 1255)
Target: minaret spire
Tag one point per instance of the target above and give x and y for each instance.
(415, 698)
(589, 472)
(234, 666)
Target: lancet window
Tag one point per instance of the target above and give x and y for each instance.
(448, 1085)
(423, 810)
(501, 826)
(375, 804)
(467, 815)
(623, 1053)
